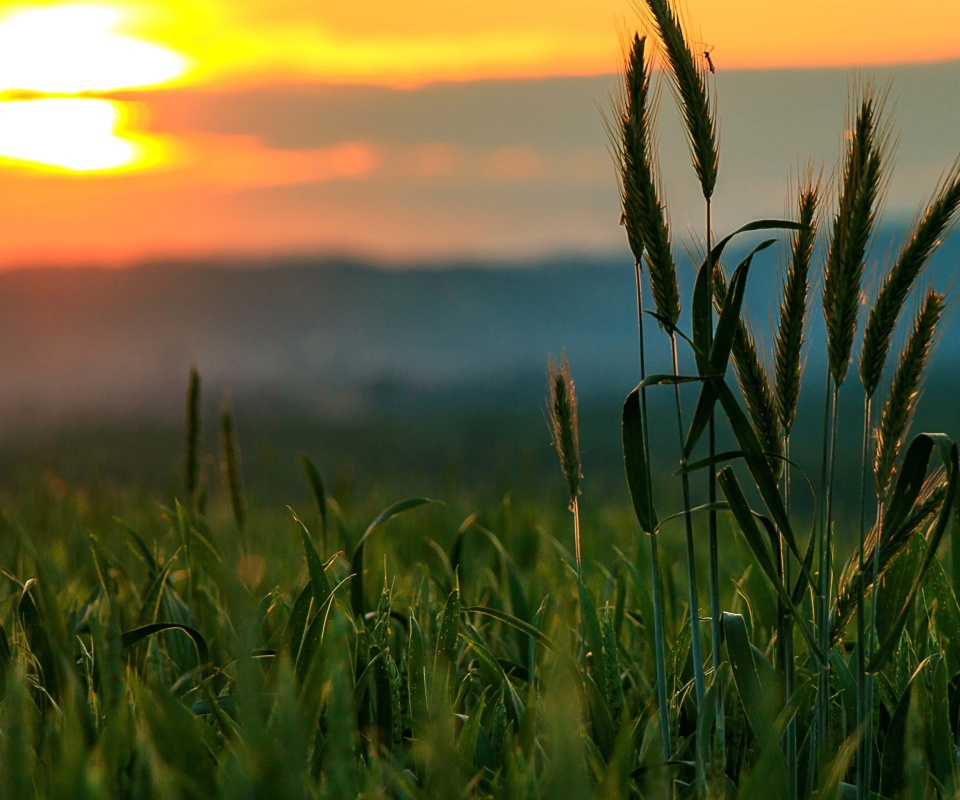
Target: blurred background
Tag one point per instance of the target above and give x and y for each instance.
(368, 225)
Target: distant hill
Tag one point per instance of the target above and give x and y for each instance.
(342, 345)
(333, 336)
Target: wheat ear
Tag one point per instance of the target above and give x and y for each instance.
(648, 231)
(852, 228)
(904, 390)
(690, 82)
(927, 235)
(793, 312)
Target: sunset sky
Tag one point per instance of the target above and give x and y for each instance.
(146, 130)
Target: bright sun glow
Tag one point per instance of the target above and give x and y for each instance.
(70, 49)
(79, 135)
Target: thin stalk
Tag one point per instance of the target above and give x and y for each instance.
(863, 712)
(823, 546)
(575, 510)
(658, 641)
(695, 648)
(786, 646)
(871, 632)
(714, 548)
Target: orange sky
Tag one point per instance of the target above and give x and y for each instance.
(380, 41)
(124, 180)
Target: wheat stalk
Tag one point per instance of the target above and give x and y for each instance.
(649, 237)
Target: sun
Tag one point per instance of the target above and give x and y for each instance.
(72, 49)
(72, 135)
(71, 52)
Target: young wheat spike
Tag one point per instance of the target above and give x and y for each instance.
(904, 391)
(643, 212)
(192, 455)
(852, 228)
(563, 424)
(231, 467)
(927, 235)
(691, 87)
(793, 312)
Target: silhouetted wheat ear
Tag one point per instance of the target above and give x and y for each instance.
(904, 390)
(230, 464)
(563, 423)
(852, 228)
(926, 236)
(691, 87)
(643, 212)
(631, 113)
(753, 381)
(793, 312)
(191, 470)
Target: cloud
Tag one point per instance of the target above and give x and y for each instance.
(242, 161)
(493, 168)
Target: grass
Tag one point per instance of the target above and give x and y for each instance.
(213, 647)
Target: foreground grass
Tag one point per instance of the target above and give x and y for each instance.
(167, 653)
(170, 654)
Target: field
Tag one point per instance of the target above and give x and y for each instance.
(744, 585)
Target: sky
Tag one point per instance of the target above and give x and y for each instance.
(244, 129)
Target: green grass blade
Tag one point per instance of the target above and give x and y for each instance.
(514, 622)
(760, 471)
(635, 463)
(748, 526)
(318, 575)
(297, 623)
(722, 343)
(948, 451)
(132, 637)
(756, 682)
(319, 493)
(356, 562)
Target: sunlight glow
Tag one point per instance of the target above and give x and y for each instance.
(70, 49)
(70, 134)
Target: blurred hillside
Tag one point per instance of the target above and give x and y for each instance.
(436, 371)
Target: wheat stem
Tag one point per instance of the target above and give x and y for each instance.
(714, 560)
(786, 645)
(695, 644)
(823, 548)
(663, 708)
(864, 714)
